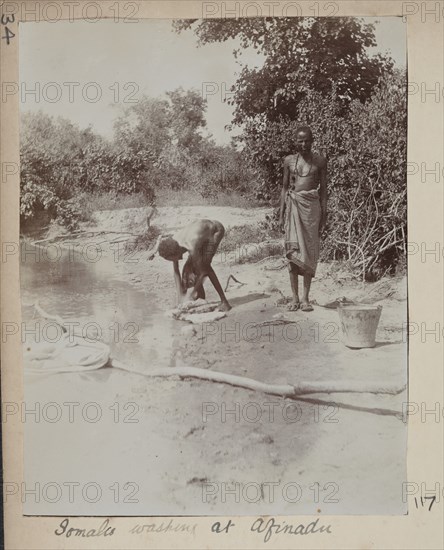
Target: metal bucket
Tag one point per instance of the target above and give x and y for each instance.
(359, 323)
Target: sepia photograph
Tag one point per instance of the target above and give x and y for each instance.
(213, 269)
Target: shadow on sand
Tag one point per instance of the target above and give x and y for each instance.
(248, 298)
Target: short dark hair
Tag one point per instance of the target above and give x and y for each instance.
(168, 248)
(304, 130)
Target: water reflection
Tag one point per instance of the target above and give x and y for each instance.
(88, 292)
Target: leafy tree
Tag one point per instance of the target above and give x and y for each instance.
(301, 55)
(52, 149)
(187, 117)
(47, 164)
(140, 134)
(144, 127)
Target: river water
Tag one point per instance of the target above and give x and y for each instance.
(90, 428)
(89, 294)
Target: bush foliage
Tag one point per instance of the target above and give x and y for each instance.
(157, 144)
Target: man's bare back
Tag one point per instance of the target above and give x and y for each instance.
(201, 238)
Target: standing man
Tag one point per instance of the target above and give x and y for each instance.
(303, 214)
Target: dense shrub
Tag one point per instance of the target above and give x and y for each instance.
(156, 145)
(366, 152)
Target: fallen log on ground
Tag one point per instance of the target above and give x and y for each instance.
(283, 390)
(85, 233)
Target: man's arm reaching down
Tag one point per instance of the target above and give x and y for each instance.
(285, 184)
(155, 248)
(323, 193)
(178, 280)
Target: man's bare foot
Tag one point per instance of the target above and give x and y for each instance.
(224, 306)
(306, 306)
(294, 306)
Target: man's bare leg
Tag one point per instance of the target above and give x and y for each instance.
(189, 279)
(294, 281)
(305, 304)
(198, 286)
(201, 258)
(201, 293)
(224, 305)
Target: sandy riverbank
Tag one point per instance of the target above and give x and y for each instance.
(355, 441)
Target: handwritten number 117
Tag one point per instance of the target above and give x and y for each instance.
(432, 498)
(8, 33)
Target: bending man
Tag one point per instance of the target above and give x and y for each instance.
(303, 214)
(200, 239)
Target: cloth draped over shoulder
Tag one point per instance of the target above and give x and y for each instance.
(303, 215)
